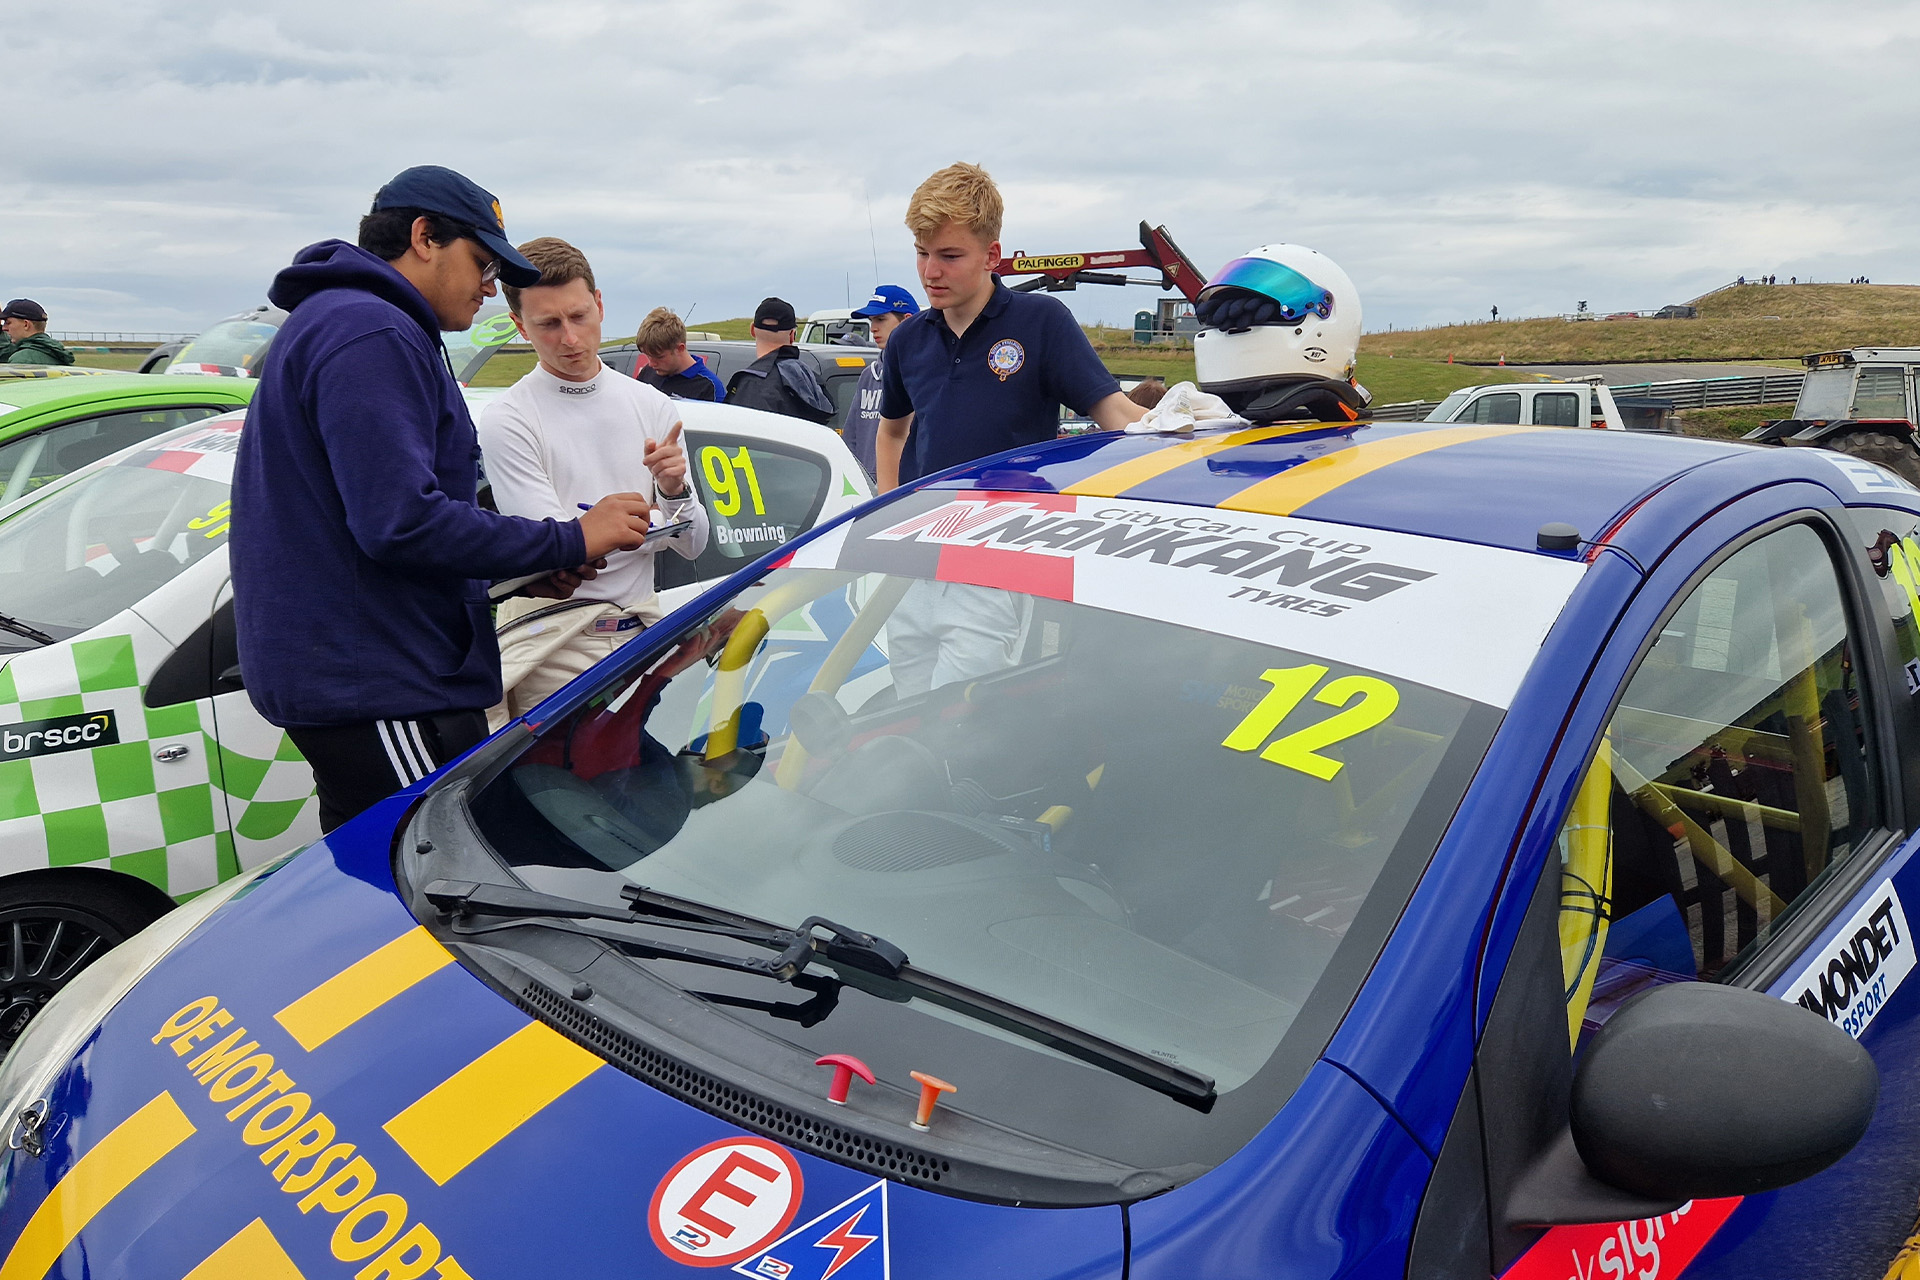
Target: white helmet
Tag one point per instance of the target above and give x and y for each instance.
(1280, 314)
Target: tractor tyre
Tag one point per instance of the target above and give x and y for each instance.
(1897, 454)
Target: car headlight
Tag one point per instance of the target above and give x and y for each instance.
(64, 1023)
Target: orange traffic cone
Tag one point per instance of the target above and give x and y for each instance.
(1503, 358)
(1449, 357)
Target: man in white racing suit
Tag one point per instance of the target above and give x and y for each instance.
(561, 434)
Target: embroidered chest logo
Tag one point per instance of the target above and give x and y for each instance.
(1006, 358)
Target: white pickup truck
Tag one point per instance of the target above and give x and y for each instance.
(1581, 403)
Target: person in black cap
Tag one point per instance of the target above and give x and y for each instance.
(779, 381)
(25, 323)
(360, 558)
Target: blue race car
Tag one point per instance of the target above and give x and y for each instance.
(1296, 851)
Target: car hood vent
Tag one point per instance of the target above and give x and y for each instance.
(887, 1160)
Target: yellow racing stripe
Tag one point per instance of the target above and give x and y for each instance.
(467, 1115)
(1118, 479)
(132, 1148)
(1286, 493)
(252, 1254)
(362, 987)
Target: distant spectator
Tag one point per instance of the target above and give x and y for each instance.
(1147, 392)
(670, 367)
(1793, 279)
(25, 323)
(885, 310)
(1741, 280)
(778, 380)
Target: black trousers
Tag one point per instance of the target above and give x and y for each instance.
(358, 765)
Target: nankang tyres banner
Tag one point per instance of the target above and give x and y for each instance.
(1397, 603)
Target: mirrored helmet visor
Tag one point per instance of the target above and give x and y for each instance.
(1250, 291)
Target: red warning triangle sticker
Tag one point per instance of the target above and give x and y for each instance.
(847, 1242)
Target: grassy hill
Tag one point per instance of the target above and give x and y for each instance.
(1750, 322)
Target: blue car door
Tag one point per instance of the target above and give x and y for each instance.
(1742, 818)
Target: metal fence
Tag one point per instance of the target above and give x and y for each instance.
(1692, 393)
(1715, 393)
(145, 339)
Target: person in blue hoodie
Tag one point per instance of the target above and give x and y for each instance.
(361, 560)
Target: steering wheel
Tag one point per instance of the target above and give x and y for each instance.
(120, 544)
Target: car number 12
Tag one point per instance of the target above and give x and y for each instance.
(1300, 749)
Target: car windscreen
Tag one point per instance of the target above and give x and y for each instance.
(759, 495)
(231, 344)
(1825, 395)
(1444, 411)
(112, 537)
(1136, 768)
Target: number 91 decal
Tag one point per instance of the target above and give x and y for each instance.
(724, 475)
(1300, 749)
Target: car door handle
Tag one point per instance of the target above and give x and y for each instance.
(169, 754)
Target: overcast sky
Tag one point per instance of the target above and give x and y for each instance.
(163, 161)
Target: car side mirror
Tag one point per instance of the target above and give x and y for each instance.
(1695, 1091)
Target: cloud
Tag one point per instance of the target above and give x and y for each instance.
(707, 153)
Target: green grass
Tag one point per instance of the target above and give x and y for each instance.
(505, 369)
(1397, 381)
(126, 361)
(1754, 322)
(1392, 381)
(1730, 423)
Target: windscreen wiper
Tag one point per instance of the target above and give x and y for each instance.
(815, 938)
(20, 628)
(848, 949)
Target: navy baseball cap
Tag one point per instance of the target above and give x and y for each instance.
(24, 309)
(890, 299)
(451, 195)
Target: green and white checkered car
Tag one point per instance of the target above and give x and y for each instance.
(134, 771)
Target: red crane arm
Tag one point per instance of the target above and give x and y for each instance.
(1066, 270)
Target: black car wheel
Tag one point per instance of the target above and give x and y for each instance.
(1896, 453)
(49, 932)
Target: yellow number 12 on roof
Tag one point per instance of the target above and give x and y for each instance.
(1299, 749)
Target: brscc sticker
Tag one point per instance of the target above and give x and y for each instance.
(724, 1202)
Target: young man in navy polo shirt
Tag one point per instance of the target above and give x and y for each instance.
(984, 369)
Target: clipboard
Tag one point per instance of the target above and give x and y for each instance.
(511, 586)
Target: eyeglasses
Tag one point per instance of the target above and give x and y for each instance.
(490, 271)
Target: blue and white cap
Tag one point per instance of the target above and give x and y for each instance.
(889, 299)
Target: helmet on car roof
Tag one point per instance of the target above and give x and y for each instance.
(1281, 315)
